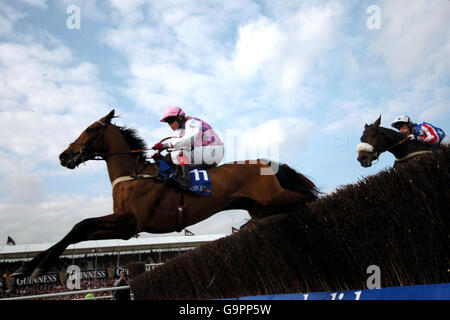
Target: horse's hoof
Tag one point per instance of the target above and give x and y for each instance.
(21, 272)
(37, 273)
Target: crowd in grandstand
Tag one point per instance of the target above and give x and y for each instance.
(99, 270)
(38, 289)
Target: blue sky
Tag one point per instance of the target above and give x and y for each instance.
(304, 76)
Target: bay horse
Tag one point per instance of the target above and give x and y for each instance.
(376, 140)
(143, 203)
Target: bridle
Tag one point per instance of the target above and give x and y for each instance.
(375, 149)
(84, 152)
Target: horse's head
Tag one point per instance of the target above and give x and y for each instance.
(371, 140)
(88, 145)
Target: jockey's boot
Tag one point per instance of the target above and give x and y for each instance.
(171, 181)
(185, 178)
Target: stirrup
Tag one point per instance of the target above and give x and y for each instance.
(183, 186)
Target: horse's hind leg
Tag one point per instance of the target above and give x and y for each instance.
(113, 226)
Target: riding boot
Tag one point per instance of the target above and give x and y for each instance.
(185, 180)
(171, 181)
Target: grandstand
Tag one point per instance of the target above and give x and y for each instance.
(101, 262)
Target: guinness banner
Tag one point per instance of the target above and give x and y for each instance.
(61, 277)
(46, 278)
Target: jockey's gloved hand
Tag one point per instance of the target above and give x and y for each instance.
(412, 137)
(157, 156)
(158, 146)
(161, 146)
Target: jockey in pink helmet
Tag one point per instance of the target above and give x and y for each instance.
(172, 111)
(197, 145)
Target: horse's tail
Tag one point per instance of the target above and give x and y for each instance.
(294, 181)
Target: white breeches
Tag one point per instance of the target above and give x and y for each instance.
(446, 141)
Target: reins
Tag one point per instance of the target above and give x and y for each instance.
(106, 154)
(377, 153)
(100, 156)
(398, 143)
(391, 147)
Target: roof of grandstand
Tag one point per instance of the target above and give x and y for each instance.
(110, 246)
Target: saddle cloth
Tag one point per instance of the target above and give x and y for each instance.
(200, 182)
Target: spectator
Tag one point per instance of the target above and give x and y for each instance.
(121, 294)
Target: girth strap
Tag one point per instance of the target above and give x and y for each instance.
(128, 178)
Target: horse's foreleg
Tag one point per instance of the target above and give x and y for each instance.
(114, 226)
(28, 267)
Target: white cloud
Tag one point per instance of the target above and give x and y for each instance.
(275, 139)
(42, 4)
(129, 12)
(22, 186)
(198, 65)
(49, 220)
(46, 97)
(283, 52)
(8, 17)
(410, 78)
(410, 33)
(257, 43)
(10, 162)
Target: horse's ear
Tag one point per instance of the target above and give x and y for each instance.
(366, 126)
(377, 122)
(109, 116)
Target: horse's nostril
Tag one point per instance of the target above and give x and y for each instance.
(63, 158)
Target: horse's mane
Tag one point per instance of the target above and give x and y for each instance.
(133, 139)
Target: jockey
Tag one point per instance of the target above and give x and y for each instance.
(423, 132)
(198, 144)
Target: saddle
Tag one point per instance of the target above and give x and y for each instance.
(199, 182)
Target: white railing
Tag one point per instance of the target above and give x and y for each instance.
(68, 293)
